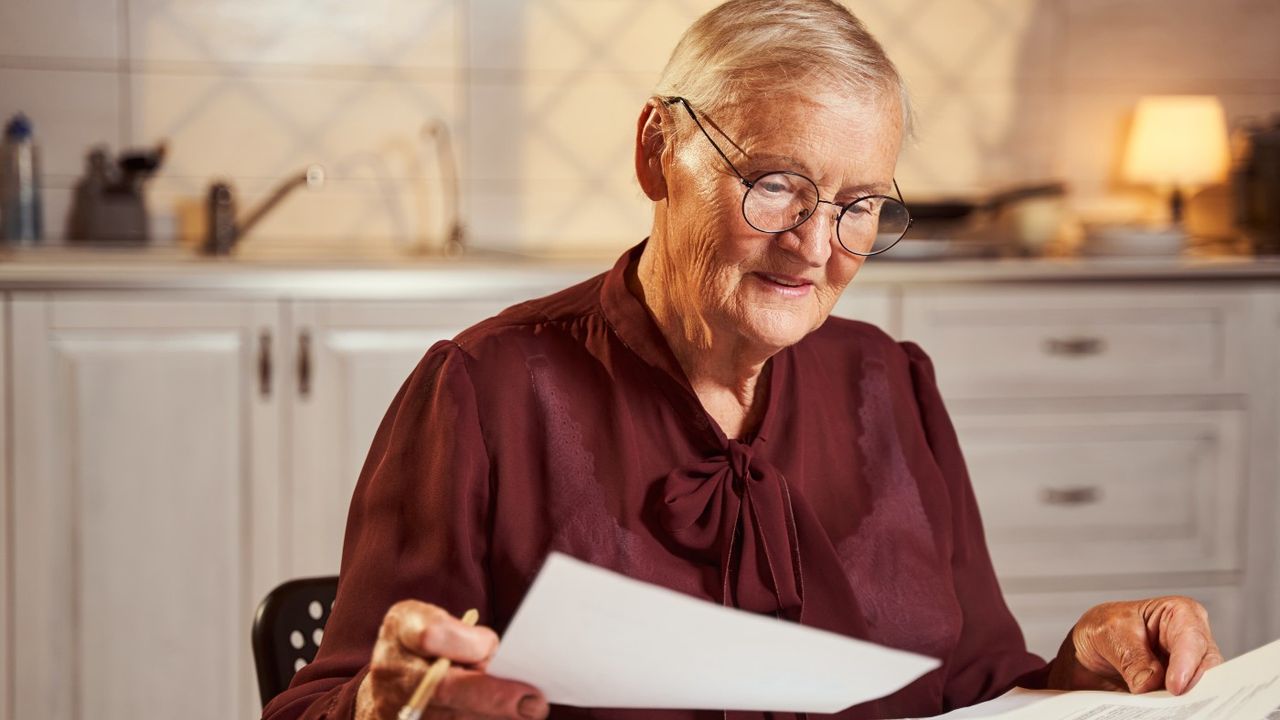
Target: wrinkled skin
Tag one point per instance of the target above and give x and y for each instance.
(412, 635)
(707, 276)
(1162, 643)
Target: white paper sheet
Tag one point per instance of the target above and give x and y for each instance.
(590, 637)
(1246, 688)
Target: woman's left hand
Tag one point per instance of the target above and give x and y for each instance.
(1139, 645)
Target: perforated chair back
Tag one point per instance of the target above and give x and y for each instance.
(287, 630)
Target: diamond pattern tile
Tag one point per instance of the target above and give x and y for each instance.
(542, 96)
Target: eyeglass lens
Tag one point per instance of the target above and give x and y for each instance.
(780, 201)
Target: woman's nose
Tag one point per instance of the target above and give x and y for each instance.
(810, 241)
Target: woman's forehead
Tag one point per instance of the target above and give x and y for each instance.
(819, 134)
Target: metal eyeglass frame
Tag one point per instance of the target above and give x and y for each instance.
(749, 184)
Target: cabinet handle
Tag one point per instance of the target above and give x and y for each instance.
(304, 363)
(264, 363)
(1075, 347)
(1086, 495)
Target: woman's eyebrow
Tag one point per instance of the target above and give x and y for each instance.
(864, 189)
(778, 162)
(767, 162)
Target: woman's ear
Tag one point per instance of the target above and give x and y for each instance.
(651, 142)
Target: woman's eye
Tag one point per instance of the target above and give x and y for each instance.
(866, 206)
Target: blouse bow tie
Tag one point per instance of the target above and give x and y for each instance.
(736, 508)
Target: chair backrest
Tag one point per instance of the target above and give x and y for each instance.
(287, 630)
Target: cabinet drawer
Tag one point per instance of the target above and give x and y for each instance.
(1047, 617)
(868, 303)
(1108, 494)
(1080, 342)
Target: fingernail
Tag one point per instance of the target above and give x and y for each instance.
(1180, 683)
(1140, 680)
(533, 707)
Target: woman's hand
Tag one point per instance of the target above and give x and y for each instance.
(1140, 645)
(412, 635)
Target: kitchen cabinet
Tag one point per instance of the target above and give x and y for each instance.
(1107, 433)
(145, 467)
(350, 358)
(176, 450)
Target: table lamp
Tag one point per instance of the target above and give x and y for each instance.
(1178, 144)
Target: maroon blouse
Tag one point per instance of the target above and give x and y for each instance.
(565, 423)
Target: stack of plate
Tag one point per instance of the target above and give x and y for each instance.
(1134, 240)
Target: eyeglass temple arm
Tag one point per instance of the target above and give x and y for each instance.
(689, 108)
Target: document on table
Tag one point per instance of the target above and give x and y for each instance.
(589, 637)
(1246, 688)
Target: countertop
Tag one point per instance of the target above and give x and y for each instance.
(483, 274)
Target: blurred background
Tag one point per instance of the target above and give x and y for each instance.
(541, 98)
(232, 227)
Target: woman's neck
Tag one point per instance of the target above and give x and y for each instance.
(726, 373)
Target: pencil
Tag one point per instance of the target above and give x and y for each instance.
(427, 685)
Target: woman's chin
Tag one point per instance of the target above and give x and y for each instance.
(776, 330)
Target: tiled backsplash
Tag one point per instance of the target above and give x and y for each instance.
(543, 94)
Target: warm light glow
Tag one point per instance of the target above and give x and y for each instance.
(1178, 141)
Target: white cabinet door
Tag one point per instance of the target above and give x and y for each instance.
(6, 491)
(144, 494)
(350, 358)
(1108, 493)
(868, 303)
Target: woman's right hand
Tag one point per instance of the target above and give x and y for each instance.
(413, 634)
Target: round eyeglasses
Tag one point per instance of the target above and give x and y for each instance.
(781, 200)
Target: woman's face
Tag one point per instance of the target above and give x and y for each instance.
(770, 289)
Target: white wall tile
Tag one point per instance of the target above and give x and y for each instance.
(71, 112)
(60, 29)
(271, 127)
(1174, 39)
(370, 33)
(547, 130)
(628, 37)
(557, 216)
(56, 202)
(976, 141)
(542, 96)
(957, 43)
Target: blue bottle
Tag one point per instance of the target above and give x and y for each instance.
(20, 213)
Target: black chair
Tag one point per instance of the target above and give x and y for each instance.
(287, 630)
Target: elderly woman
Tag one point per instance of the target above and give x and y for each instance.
(694, 418)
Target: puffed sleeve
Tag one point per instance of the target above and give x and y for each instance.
(417, 528)
(991, 655)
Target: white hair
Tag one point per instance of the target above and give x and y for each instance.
(747, 49)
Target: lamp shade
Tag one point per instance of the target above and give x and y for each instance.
(1178, 141)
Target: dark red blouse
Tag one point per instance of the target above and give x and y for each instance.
(565, 423)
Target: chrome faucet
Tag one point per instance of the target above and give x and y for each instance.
(455, 234)
(225, 231)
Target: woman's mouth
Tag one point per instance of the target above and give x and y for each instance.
(789, 285)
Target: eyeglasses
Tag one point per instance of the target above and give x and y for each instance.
(781, 200)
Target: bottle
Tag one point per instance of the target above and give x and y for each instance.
(20, 213)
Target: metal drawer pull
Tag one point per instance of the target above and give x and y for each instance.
(264, 364)
(1074, 347)
(1071, 496)
(304, 363)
